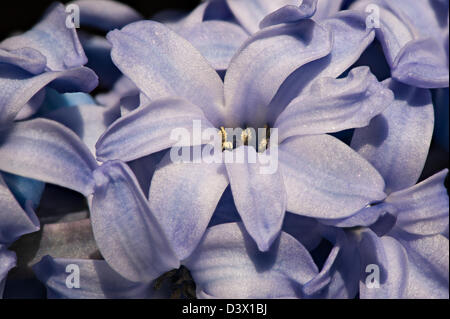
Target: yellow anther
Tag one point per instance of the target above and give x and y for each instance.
(223, 133)
(227, 146)
(263, 145)
(246, 136)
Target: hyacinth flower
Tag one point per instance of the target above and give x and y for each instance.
(228, 264)
(414, 37)
(217, 34)
(33, 68)
(119, 210)
(406, 245)
(97, 280)
(403, 234)
(217, 28)
(47, 55)
(48, 151)
(70, 243)
(226, 252)
(244, 270)
(101, 15)
(182, 88)
(14, 222)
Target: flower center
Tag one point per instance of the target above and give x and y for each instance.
(179, 281)
(233, 138)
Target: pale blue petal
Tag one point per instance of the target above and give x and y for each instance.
(47, 151)
(127, 233)
(350, 39)
(18, 86)
(51, 37)
(339, 276)
(331, 105)
(250, 13)
(217, 41)
(183, 196)
(324, 178)
(264, 62)
(423, 208)
(428, 276)
(163, 64)
(15, 221)
(391, 258)
(397, 141)
(290, 13)
(97, 280)
(105, 15)
(260, 198)
(26, 58)
(7, 262)
(228, 264)
(149, 129)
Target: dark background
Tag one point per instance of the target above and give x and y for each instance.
(17, 15)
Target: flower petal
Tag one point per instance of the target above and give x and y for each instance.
(149, 129)
(47, 151)
(339, 276)
(97, 280)
(26, 58)
(290, 13)
(18, 86)
(105, 15)
(217, 41)
(260, 198)
(163, 64)
(423, 208)
(413, 40)
(397, 141)
(228, 264)
(327, 8)
(428, 266)
(123, 87)
(15, 222)
(89, 122)
(422, 63)
(53, 39)
(331, 105)
(127, 233)
(306, 230)
(32, 106)
(350, 39)
(265, 61)
(324, 178)
(183, 196)
(392, 261)
(250, 13)
(364, 217)
(392, 32)
(7, 262)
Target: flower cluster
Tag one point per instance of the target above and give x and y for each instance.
(247, 149)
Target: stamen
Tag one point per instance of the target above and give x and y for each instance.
(226, 145)
(264, 143)
(246, 136)
(246, 139)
